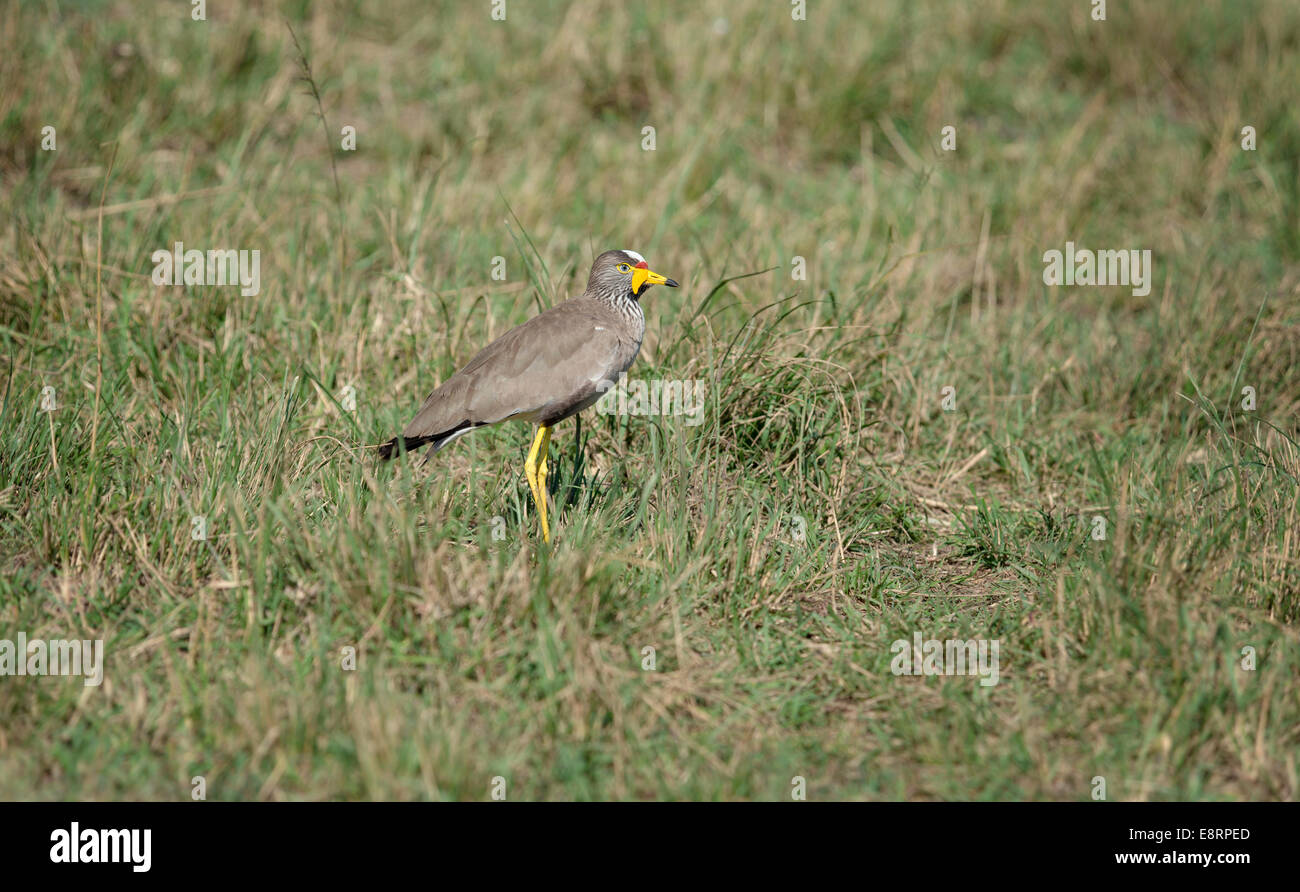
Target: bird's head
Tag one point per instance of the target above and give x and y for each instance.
(623, 274)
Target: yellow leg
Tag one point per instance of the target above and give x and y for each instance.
(535, 471)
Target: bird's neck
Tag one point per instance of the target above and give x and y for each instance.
(626, 306)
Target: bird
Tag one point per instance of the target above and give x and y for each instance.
(546, 370)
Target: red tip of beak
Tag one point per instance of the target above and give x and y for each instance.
(642, 265)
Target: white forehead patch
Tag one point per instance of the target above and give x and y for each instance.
(634, 255)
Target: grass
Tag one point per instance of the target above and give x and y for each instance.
(828, 504)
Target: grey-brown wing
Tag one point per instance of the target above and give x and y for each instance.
(534, 372)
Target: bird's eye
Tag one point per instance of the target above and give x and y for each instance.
(624, 268)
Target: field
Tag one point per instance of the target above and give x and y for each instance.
(905, 430)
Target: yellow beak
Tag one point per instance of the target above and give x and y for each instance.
(641, 277)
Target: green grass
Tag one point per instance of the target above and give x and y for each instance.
(826, 506)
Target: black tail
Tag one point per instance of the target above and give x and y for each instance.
(408, 444)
